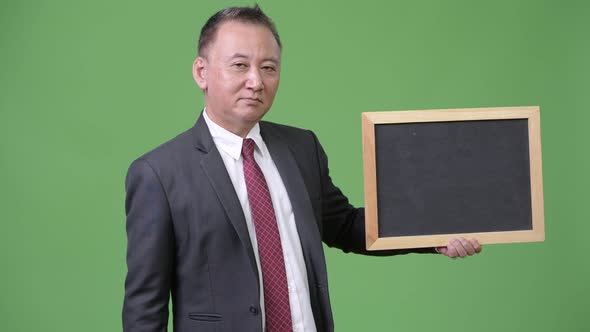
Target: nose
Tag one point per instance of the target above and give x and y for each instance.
(254, 79)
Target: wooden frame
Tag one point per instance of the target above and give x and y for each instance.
(370, 119)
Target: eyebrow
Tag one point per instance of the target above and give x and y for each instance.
(240, 55)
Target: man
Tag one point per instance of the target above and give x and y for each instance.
(229, 216)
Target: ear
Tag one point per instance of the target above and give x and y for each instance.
(200, 72)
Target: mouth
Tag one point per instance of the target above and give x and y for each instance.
(252, 100)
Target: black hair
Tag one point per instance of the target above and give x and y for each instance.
(253, 15)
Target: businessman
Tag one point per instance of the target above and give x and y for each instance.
(228, 218)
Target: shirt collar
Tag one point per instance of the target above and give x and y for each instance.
(229, 142)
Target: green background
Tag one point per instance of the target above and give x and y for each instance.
(87, 86)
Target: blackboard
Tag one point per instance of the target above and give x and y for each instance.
(438, 174)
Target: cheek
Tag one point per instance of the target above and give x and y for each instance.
(231, 83)
(224, 83)
(271, 84)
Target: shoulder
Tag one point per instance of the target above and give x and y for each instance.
(170, 152)
(302, 143)
(290, 135)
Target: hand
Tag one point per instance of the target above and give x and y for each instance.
(460, 248)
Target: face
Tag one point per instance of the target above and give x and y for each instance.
(239, 74)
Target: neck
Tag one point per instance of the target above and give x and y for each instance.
(239, 130)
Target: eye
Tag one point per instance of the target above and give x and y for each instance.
(269, 69)
(240, 65)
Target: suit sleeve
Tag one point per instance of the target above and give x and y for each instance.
(343, 226)
(150, 251)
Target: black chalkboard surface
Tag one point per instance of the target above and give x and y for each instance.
(434, 175)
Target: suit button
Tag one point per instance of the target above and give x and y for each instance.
(254, 310)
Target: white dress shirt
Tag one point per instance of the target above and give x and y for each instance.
(230, 148)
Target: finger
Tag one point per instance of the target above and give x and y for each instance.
(467, 246)
(476, 245)
(459, 248)
(451, 252)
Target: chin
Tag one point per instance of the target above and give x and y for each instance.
(252, 114)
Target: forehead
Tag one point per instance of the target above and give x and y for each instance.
(244, 38)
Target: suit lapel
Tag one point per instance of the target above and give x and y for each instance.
(284, 159)
(213, 166)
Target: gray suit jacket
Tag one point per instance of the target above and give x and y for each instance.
(187, 234)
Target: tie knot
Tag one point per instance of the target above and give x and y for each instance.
(248, 148)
